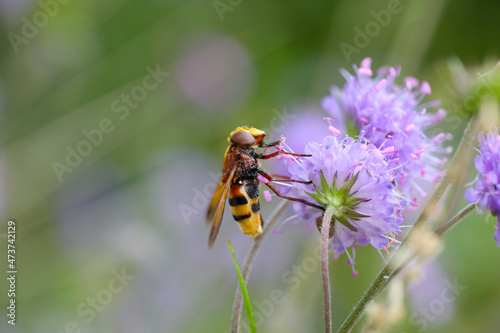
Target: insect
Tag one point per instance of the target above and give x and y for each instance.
(241, 167)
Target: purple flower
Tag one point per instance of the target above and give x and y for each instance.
(392, 118)
(353, 178)
(305, 125)
(486, 191)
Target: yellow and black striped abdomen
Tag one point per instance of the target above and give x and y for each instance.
(244, 202)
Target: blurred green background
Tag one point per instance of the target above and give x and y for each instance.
(132, 203)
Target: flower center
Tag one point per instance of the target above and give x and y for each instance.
(341, 200)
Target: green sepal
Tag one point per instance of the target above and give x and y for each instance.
(345, 222)
(354, 214)
(319, 198)
(350, 182)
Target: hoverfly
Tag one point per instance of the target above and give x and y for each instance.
(241, 167)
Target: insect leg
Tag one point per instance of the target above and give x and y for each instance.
(284, 178)
(265, 157)
(269, 145)
(293, 199)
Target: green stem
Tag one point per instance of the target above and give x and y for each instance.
(453, 171)
(325, 231)
(439, 232)
(453, 221)
(404, 251)
(247, 266)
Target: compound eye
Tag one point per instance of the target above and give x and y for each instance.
(242, 138)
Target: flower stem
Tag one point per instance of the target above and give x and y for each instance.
(439, 232)
(404, 252)
(247, 266)
(325, 230)
(453, 172)
(454, 220)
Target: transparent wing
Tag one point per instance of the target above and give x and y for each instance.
(219, 197)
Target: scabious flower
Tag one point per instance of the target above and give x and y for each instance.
(392, 118)
(486, 191)
(353, 178)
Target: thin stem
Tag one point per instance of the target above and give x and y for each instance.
(404, 250)
(439, 232)
(456, 167)
(325, 230)
(454, 220)
(247, 266)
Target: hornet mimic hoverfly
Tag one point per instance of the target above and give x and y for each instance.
(239, 179)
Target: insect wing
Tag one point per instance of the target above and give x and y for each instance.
(214, 203)
(220, 209)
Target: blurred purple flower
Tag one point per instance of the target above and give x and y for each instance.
(486, 191)
(305, 125)
(96, 213)
(392, 118)
(431, 296)
(353, 178)
(214, 72)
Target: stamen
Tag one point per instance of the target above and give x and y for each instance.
(392, 72)
(419, 152)
(392, 240)
(262, 179)
(383, 258)
(423, 172)
(291, 156)
(437, 138)
(377, 152)
(354, 272)
(411, 82)
(267, 196)
(425, 88)
(366, 63)
(380, 84)
(282, 184)
(403, 178)
(334, 130)
(435, 103)
(286, 220)
(365, 72)
(409, 128)
(388, 150)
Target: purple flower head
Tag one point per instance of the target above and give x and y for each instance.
(486, 191)
(353, 178)
(392, 118)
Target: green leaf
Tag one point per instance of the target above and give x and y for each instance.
(246, 297)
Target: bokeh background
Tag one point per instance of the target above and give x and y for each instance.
(133, 206)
